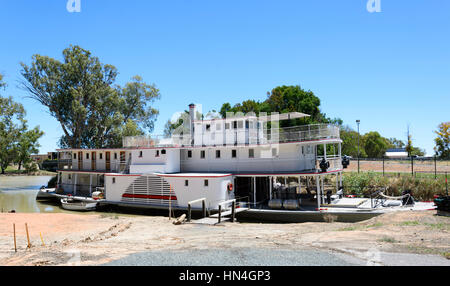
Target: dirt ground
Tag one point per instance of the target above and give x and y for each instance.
(72, 239)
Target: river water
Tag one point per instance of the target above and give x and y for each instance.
(18, 193)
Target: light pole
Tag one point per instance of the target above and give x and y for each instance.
(357, 122)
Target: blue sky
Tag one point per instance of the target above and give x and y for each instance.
(389, 69)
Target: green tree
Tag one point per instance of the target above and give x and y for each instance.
(12, 124)
(28, 144)
(349, 139)
(375, 146)
(442, 141)
(79, 93)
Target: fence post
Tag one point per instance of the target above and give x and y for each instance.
(412, 165)
(435, 169)
(383, 166)
(446, 183)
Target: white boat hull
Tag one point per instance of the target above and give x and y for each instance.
(78, 205)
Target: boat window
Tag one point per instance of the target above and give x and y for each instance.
(157, 153)
(70, 177)
(240, 124)
(113, 180)
(87, 155)
(217, 153)
(251, 153)
(163, 152)
(233, 153)
(202, 154)
(206, 183)
(303, 150)
(101, 156)
(235, 124)
(218, 126)
(227, 125)
(140, 154)
(189, 154)
(246, 124)
(115, 156)
(74, 155)
(208, 127)
(186, 183)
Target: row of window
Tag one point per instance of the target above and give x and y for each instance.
(233, 125)
(251, 153)
(205, 183)
(157, 154)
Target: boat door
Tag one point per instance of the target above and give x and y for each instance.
(93, 161)
(123, 159)
(80, 160)
(108, 161)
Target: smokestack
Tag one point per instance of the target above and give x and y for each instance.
(192, 118)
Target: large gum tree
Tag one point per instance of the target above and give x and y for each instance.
(80, 92)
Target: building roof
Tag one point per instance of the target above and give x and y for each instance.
(396, 150)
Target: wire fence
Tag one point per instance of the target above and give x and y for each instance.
(418, 167)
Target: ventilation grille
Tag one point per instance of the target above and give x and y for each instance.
(151, 190)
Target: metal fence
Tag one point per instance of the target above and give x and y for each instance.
(429, 166)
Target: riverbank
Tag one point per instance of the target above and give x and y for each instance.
(96, 239)
(10, 173)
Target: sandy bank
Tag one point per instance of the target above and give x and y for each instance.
(95, 239)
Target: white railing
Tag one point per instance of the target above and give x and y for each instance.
(238, 136)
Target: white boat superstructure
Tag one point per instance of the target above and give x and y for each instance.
(249, 158)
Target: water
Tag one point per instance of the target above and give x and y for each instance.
(18, 193)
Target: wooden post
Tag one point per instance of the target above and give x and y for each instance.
(15, 243)
(435, 173)
(233, 211)
(28, 236)
(43, 244)
(189, 213)
(170, 202)
(204, 208)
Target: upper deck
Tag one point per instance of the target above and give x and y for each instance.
(237, 133)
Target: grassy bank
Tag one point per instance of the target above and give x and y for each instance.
(11, 171)
(364, 183)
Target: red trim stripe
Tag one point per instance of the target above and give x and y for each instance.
(154, 197)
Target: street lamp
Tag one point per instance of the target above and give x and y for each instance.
(357, 122)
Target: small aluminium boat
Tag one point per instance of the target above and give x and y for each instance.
(78, 205)
(46, 193)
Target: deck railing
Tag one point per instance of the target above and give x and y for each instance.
(240, 136)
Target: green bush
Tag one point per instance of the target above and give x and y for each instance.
(363, 184)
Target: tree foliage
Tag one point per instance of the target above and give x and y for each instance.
(16, 143)
(375, 145)
(442, 141)
(79, 93)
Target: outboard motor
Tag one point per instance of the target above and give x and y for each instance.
(324, 165)
(345, 162)
(408, 200)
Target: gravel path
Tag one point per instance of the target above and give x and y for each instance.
(236, 257)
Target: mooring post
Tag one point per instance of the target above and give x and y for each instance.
(204, 208)
(233, 211)
(189, 213)
(220, 213)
